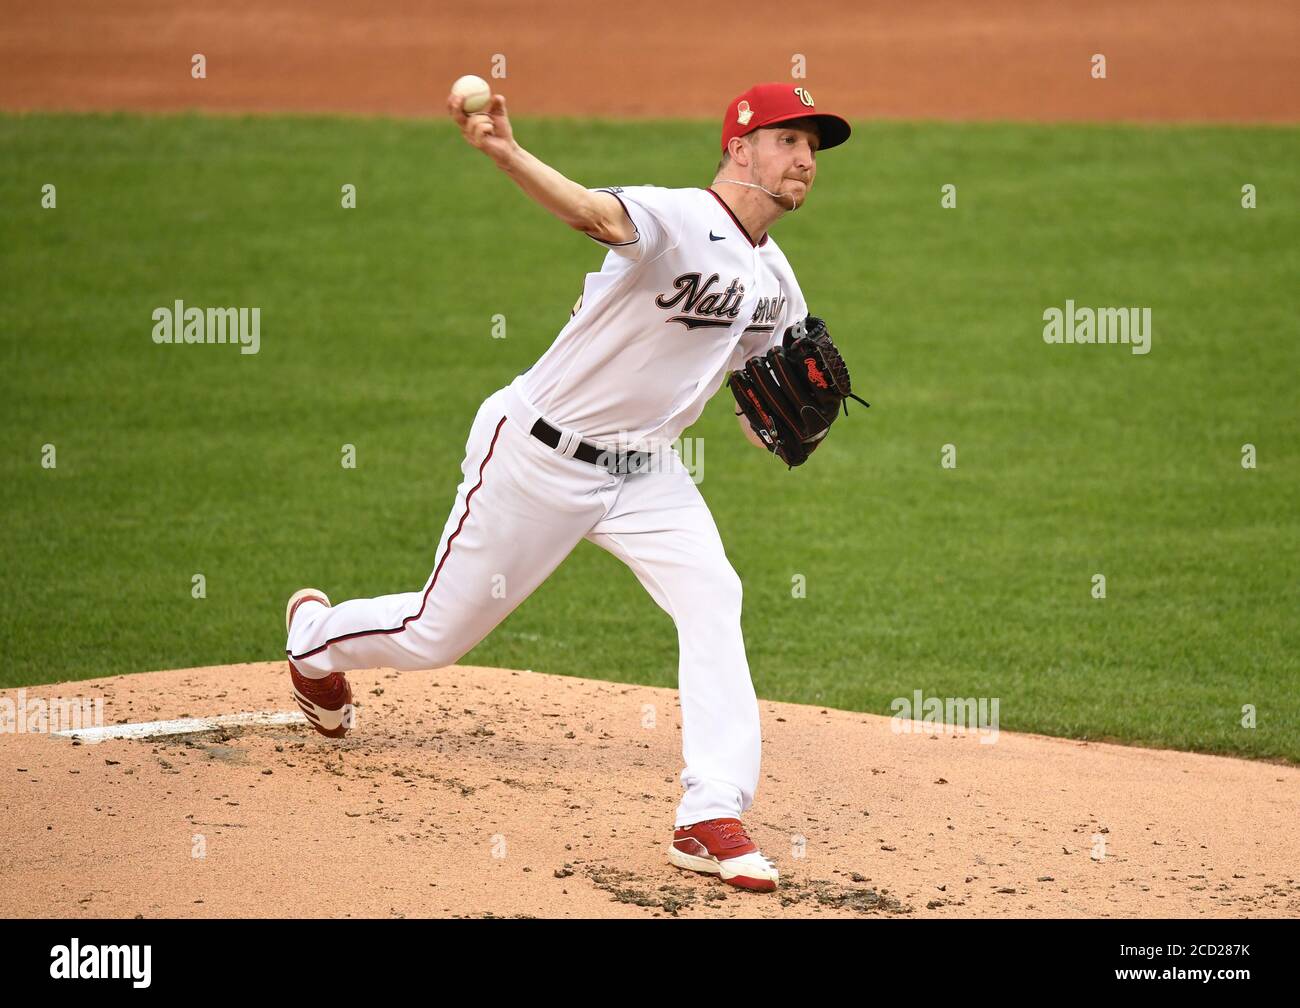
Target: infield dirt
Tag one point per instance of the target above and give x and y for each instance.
(1166, 60)
(485, 792)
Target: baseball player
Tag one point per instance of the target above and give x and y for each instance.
(580, 445)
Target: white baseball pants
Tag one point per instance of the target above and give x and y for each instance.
(520, 509)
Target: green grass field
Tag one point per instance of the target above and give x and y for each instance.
(376, 331)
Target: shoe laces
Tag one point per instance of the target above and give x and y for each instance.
(732, 834)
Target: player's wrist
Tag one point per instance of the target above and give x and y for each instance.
(508, 161)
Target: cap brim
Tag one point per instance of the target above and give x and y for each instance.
(831, 129)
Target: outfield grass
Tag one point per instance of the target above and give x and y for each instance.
(376, 331)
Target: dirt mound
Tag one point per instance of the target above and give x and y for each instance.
(487, 792)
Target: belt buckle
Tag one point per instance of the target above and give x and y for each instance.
(623, 463)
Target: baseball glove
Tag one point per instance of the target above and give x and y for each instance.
(792, 394)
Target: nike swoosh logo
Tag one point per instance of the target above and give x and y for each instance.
(713, 237)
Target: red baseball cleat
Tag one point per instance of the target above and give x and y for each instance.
(722, 847)
(327, 702)
(298, 598)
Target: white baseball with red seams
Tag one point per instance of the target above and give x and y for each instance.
(475, 90)
(651, 338)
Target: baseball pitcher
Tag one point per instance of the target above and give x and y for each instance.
(580, 445)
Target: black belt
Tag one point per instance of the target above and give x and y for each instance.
(618, 463)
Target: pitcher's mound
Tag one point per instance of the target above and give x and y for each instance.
(486, 792)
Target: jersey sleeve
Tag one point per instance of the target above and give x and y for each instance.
(656, 214)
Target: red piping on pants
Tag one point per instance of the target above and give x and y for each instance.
(446, 553)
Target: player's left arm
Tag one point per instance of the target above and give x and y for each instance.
(795, 308)
(748, 431)
(792, 394)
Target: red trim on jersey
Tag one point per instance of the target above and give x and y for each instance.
(722, 203)
(434, 580)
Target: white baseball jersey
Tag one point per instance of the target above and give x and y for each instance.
(689, 298)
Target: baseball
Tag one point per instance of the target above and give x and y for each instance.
(475, 91)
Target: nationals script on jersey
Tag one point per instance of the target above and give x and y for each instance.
(650, 339)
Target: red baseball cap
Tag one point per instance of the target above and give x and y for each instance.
(769, 104)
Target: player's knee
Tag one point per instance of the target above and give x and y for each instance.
(441, 657)
(724, 591)
(426, 648)
(737, 588)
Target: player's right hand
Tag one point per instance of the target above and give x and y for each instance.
(488, 130)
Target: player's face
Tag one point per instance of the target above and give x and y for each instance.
(785, 159)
